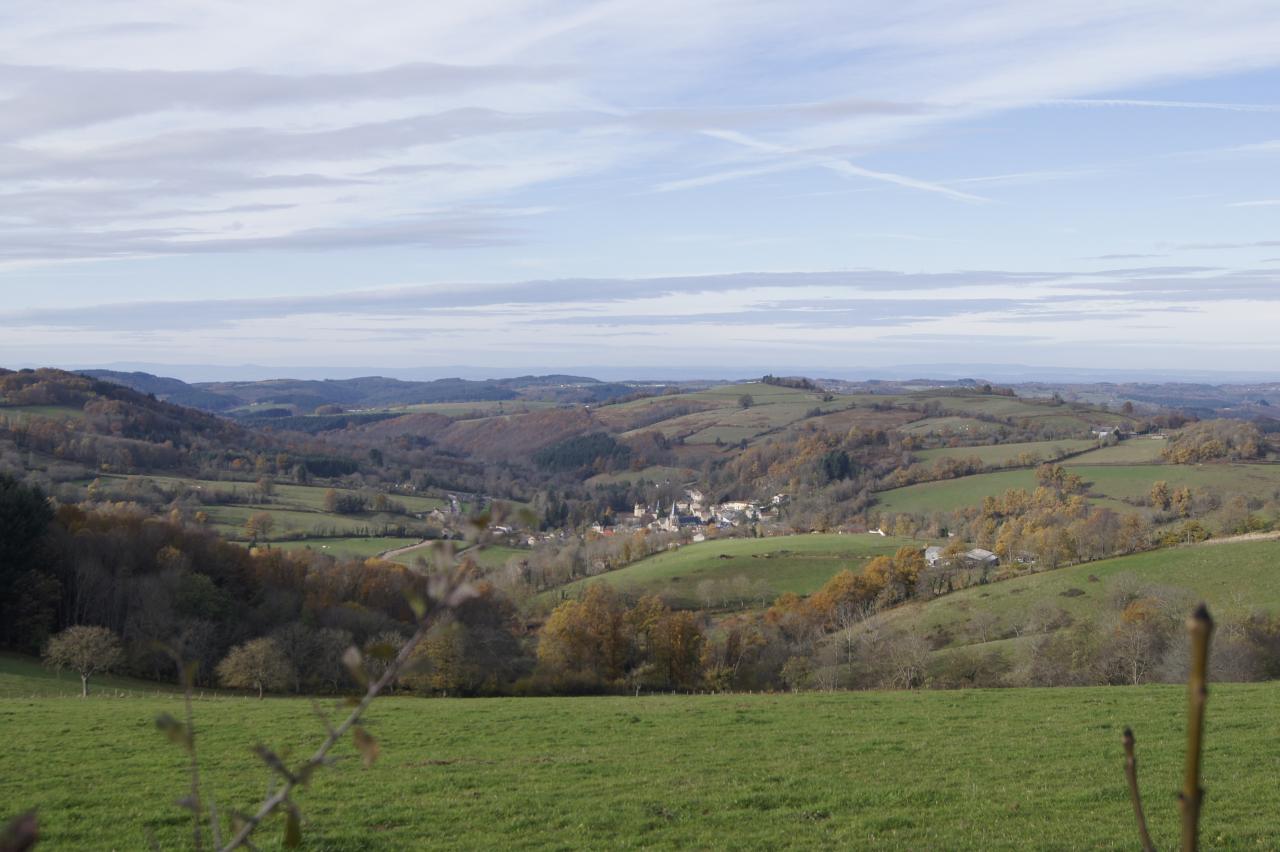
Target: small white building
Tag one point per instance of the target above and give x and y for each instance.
(981, 556)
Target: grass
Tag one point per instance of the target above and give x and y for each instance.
(230, 521)
(1002, 454)
(1116, 482)
(950, 494)
(489, 558)
(348, 548)
(971, 770)
(25, 677)
(794, 563)
(297, 510)
(1132, 451)
(1232, 577)
(284, 495)
(956, 425)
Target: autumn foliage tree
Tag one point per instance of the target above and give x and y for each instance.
(599, 639)
(85, 650)
(258, 664)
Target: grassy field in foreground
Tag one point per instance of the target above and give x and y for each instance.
(1233, 578)
(971, 770)
(788, 563)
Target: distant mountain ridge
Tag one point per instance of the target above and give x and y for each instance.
(304, 396)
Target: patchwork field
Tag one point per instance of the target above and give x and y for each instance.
(768, 566)
(970, 770)
(296, 510)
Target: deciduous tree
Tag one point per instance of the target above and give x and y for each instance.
(85, 650)
(258, 664)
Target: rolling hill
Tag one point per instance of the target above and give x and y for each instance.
(739, 573)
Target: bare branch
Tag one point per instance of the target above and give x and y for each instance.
(1200, 627)
(1131, 773)
(444, 597)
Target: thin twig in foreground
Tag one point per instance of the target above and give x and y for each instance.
(1200, 626)
(1131, 772)
(292, 779)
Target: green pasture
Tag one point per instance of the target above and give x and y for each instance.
(725, 434)
(1003, 454)
(951, 425)
(1232, 577)
(770, 566)
(291, 523)
(967, 770)
(491, 557)
(1137, 450)
(49, 412)
(284, 495)
(347, 548)
(1115, 482)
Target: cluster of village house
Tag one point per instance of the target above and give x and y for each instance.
(694, 514)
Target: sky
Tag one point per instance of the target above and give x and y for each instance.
(818, 187)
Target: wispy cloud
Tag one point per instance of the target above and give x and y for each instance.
(216, 148)
(1134, 102)
(838, 165)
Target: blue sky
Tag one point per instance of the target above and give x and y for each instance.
(659, 184)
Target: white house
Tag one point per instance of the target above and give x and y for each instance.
(981, 556)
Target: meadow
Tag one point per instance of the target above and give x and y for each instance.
(489, 558)
(1003, 454)
(790, 563)
(348, 548)
(1140, 450)
(966, 770)
(1116, 482)
(1234, 578)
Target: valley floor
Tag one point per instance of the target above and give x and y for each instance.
(1003, 769)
